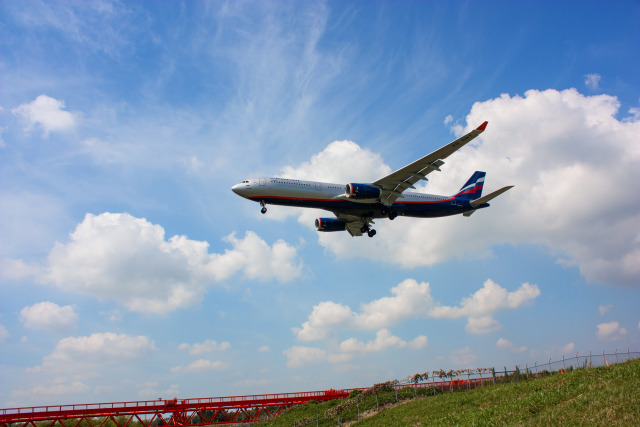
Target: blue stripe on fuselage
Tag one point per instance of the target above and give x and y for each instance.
(418, 209)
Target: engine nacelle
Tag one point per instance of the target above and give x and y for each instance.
(362, 191)
(329, 224)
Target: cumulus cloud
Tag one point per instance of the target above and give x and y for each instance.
(413, 299)
(551, 145)
(611, 331)
(207, 346)
(505, 344)
(410, 299)
(4, 334)
(94, 357)
(463, 357)
(567, 349)
(200, 365)
(47, 113)
(49, 316)
(126, 259)
(384, 340)
(298, 356)
(482, 325)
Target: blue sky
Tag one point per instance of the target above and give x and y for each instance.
(130, 271)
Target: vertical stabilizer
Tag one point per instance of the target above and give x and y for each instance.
(472, 189)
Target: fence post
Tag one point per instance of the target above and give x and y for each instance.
(377, 404)
(493, 373)
(564, 367)
(517, 373)
(506, 376)
(433, 383)
(604, 360)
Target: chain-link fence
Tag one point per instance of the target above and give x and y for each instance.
(365, 400)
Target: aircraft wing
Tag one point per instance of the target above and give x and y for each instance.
(396, 183)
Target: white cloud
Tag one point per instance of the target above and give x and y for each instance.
(79, 364)
(151, 389)
(592, 81)
(505, 344)
(410, 299)
(611, 331)
(489, 299)
(384, 340)
(16, 269)
(4, 334)
(207, 346)
(413, 299)
(48, 113)
(126, 259)
(568, 349)
(298, 356)
(482, 325)
(604, 309)
(463, 357)
(264, 349)
(550, 144)
(200, 365)
(49, 316)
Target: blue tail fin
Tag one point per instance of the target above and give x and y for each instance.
(472, 189)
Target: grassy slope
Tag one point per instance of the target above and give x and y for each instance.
(597, 396)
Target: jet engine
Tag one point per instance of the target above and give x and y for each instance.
(329, 224)
(362, 191)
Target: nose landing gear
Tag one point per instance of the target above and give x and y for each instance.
(264, 206)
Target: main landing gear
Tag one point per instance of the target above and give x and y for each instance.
(367, 229)
(264, 206)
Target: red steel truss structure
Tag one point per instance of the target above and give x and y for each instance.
(188, 412)
(174, 412)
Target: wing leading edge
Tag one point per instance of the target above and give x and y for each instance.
(394, 184)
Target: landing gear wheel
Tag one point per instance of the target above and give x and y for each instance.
(264, 206)
(365, 228)
(393, 215)
(263, 210)
(371, 233)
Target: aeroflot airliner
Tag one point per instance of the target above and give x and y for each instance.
(357, 205)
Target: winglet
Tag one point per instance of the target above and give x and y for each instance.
(482, 126)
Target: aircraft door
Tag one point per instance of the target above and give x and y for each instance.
(263, 182)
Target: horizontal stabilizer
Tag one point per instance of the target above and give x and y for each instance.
(485, 199)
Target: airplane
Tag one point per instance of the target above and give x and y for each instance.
(356, 205)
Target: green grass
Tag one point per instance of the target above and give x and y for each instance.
(596, 396)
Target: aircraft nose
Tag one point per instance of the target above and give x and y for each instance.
(240, 189)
